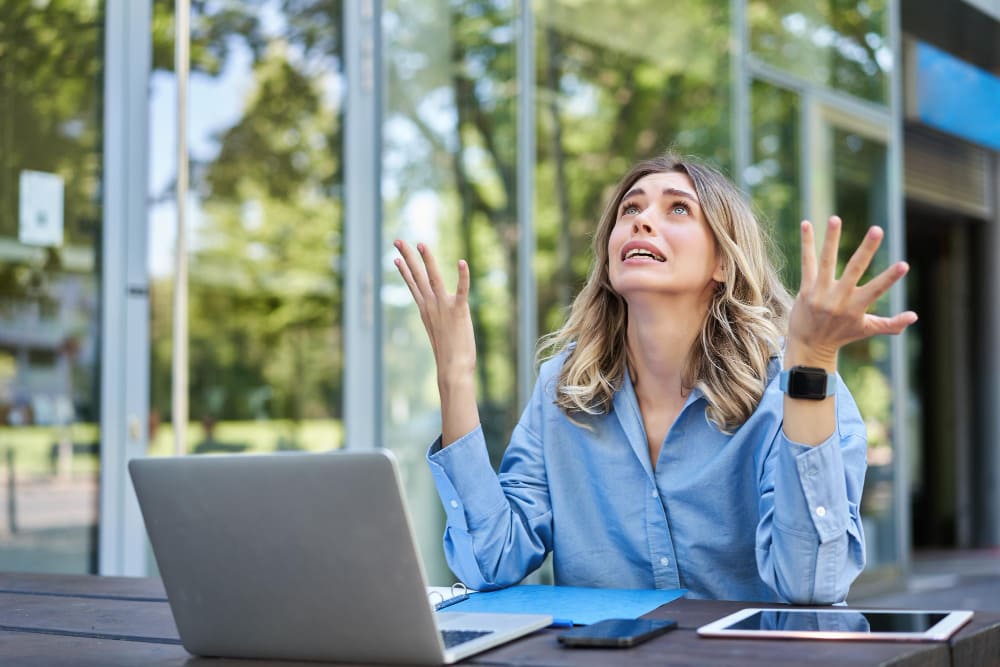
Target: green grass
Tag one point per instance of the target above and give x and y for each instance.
(257, 436)
(32, 445)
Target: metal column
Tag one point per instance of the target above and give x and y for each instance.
(124, 285)
(362, 260)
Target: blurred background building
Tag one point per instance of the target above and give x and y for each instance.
(320, 130)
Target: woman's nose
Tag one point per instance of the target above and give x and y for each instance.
(641, 223)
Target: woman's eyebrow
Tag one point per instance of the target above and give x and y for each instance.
(633, 191)
(680, 193)
(674, 192)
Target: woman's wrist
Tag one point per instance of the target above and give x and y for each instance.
(798, 353)
(459, 411)
(456, 383)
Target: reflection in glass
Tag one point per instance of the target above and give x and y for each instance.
(266, 220)
(51, 83)
(860, 198)
(843, 44)
(617, 81)
(803, 620)
(773, 174)
(448, 180)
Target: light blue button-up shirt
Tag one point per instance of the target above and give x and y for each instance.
(746, 516)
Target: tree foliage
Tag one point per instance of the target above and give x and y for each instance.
(610, 90)
(51, 121)
(50, 111)
(840, 43)
(265, 290)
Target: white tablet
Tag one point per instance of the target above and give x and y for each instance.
(840, 623)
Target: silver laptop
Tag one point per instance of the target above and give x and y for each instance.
(301, 556)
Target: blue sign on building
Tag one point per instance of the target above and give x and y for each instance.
(956, 97)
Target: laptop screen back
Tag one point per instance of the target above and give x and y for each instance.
(293, 555)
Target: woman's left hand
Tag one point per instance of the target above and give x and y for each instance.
(830, 313)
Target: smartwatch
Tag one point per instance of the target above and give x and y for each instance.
(808, 382)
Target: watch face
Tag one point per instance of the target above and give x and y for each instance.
(807, 383)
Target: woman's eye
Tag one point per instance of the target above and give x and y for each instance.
(630, 209)
(680, 209)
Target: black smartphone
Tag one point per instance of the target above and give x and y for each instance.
(617, 632)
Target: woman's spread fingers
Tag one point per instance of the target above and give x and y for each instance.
(808, 255)
(828, 256)
(404, 271)
(862, 257)
(462, 293)
(880, 284)
(433, 274)
(415, 266)
(876, 325)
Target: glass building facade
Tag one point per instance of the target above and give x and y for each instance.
(52, 145)
(321, 130)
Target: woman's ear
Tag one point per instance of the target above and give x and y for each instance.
(719, 275)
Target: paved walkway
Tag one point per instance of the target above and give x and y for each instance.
(947, 580)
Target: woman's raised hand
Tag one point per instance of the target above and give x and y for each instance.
(448, 322)
(830, 313)
(446, 317)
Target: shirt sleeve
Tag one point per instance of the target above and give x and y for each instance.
(810, 542)
(499, 528)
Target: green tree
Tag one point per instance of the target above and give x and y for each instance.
(613, 89)
(839, 43)
(51, 121)
(265, 289)
(604, 100)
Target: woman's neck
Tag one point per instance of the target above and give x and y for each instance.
(660, 338)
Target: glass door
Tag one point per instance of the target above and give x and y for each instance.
(848, 176)
(812, 159)
(51, 220)
(264, 228)
(447, 179)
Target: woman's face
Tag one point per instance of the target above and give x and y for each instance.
(660, 243)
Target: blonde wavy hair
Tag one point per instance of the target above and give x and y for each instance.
(742, 329)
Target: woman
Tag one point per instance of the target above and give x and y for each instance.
(689, 429)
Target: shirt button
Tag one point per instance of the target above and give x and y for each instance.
(454, 504)
(820, 511)
(655, 494)
(664, 561)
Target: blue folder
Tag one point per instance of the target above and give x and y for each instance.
(581, 605)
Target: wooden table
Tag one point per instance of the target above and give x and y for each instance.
(55, 620)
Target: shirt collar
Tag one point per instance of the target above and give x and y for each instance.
(626, 408)
(693, 395)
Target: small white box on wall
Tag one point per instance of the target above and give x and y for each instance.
(41, 209)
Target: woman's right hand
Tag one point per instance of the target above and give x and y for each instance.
(448, 322)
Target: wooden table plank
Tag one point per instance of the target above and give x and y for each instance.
(83, 584)
(978, 643)
(36, 650)
(150, 621)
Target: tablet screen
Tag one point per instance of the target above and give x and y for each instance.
(859, 621)
(840, 623)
